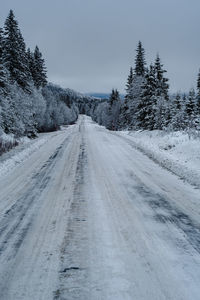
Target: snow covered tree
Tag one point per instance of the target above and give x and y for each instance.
(160, 113)
(140, 60)
(114, 96)
(177, 112)
(133, 89)
(161, 92)
(27, 105)
(113, 110)
(39, 69)
(191, 116)
(136, 87)
(129, 84)
(177, 103)
(145, 110)
(3, 73)
(14, 54)
(31, 63)
(198, 93)
(190, 106)
(162, 86)
(123, 118)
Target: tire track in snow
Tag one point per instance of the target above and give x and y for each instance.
(72, 274)
(17, 220)
(165, 164)
(164, 211)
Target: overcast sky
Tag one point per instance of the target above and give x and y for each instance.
(89, 45)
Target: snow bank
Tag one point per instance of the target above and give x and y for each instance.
(178, 152)
(10, 159)
(7, 142)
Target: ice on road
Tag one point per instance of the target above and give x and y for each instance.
(88, 216)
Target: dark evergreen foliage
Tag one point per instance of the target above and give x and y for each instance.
(14, 54)
(190, 106)
(162, 86)
(146, 107)
(113, 110)
(129, 84)
(39, 69)
(198, 93)
(140, 60)
(3, 73)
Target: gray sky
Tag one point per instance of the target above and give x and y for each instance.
(89, 45)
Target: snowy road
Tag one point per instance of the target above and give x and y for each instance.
(87, 216)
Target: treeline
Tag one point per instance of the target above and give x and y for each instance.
(27, 103)
(147, 104)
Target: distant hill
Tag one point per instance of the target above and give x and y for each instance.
(102, 95)
(99, 95)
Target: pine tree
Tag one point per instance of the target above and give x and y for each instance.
(123, 120)
(136, 87)
(177, 102)
(177, 113)
(114, 96)
(190, 106)
(162, 86)
(133, 90)
(175, 105)
(140, 60)
(198, 93)
(129, 83)
(145, 110)
(114, 110)
(14, 54)
(191, 110)
(31, 63)
(24, 58)
(3, 73)
(39, 71)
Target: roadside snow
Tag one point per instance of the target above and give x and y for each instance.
(20, 153)
(23, 148)
(7, 142)
(177, 151)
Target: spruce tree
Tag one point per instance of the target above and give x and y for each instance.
(24, 57)
(190, 106)
(123, 120)
(136, 88)
(129, 83)
(31, 63)
(14, 54)
(162, 107)
(177, 114)
(162, 86)
(140, 60)
(198, 93)
(177, 102)
(3, 73)
(145, 109)
(114, 110)
(39, 72)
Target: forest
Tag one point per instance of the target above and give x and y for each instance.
(29, 104)
(148, 105)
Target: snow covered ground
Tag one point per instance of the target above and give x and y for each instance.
(176, 151)
(87, 216)
(7, 142)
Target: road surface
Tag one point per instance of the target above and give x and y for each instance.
(87, 216)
